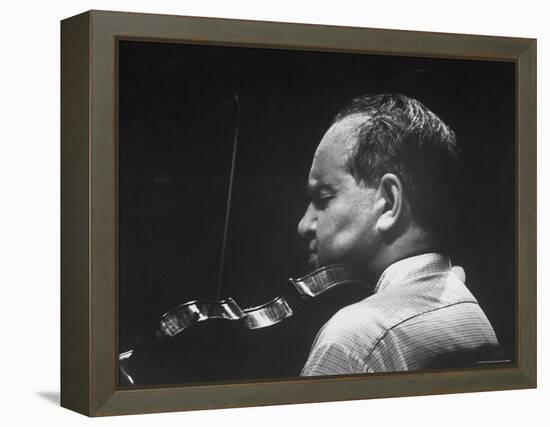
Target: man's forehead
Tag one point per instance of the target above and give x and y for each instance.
(336, 145)
(340, 137)
(329, 165)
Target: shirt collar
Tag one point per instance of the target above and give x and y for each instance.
(411, 269)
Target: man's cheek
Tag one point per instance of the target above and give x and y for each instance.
(331, 250)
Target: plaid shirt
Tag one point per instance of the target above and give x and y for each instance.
(420, 310)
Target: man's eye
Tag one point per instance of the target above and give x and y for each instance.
(321, 201)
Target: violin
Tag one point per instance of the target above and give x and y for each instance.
(305, 298)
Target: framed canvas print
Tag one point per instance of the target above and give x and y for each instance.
(260, 213)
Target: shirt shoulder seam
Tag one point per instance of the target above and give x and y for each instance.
(387, 331)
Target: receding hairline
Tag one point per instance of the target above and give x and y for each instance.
(346, 132)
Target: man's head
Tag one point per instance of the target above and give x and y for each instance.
(381, 184)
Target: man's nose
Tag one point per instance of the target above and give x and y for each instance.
(308, 223)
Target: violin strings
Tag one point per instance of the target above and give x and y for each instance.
(229, 193)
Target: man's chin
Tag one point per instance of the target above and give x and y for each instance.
(313, 261)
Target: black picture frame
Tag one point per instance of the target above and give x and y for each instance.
(90, 208)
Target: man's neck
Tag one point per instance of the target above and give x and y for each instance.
(411, 244)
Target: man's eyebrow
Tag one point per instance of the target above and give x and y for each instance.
(313, 189)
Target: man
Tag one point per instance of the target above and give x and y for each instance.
(381, 187)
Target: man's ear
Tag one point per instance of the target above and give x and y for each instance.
(390, 192)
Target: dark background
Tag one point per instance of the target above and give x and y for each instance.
(176, 123)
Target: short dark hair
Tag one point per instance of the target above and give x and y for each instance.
(400, 135)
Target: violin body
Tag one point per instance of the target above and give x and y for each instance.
(209, 340)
